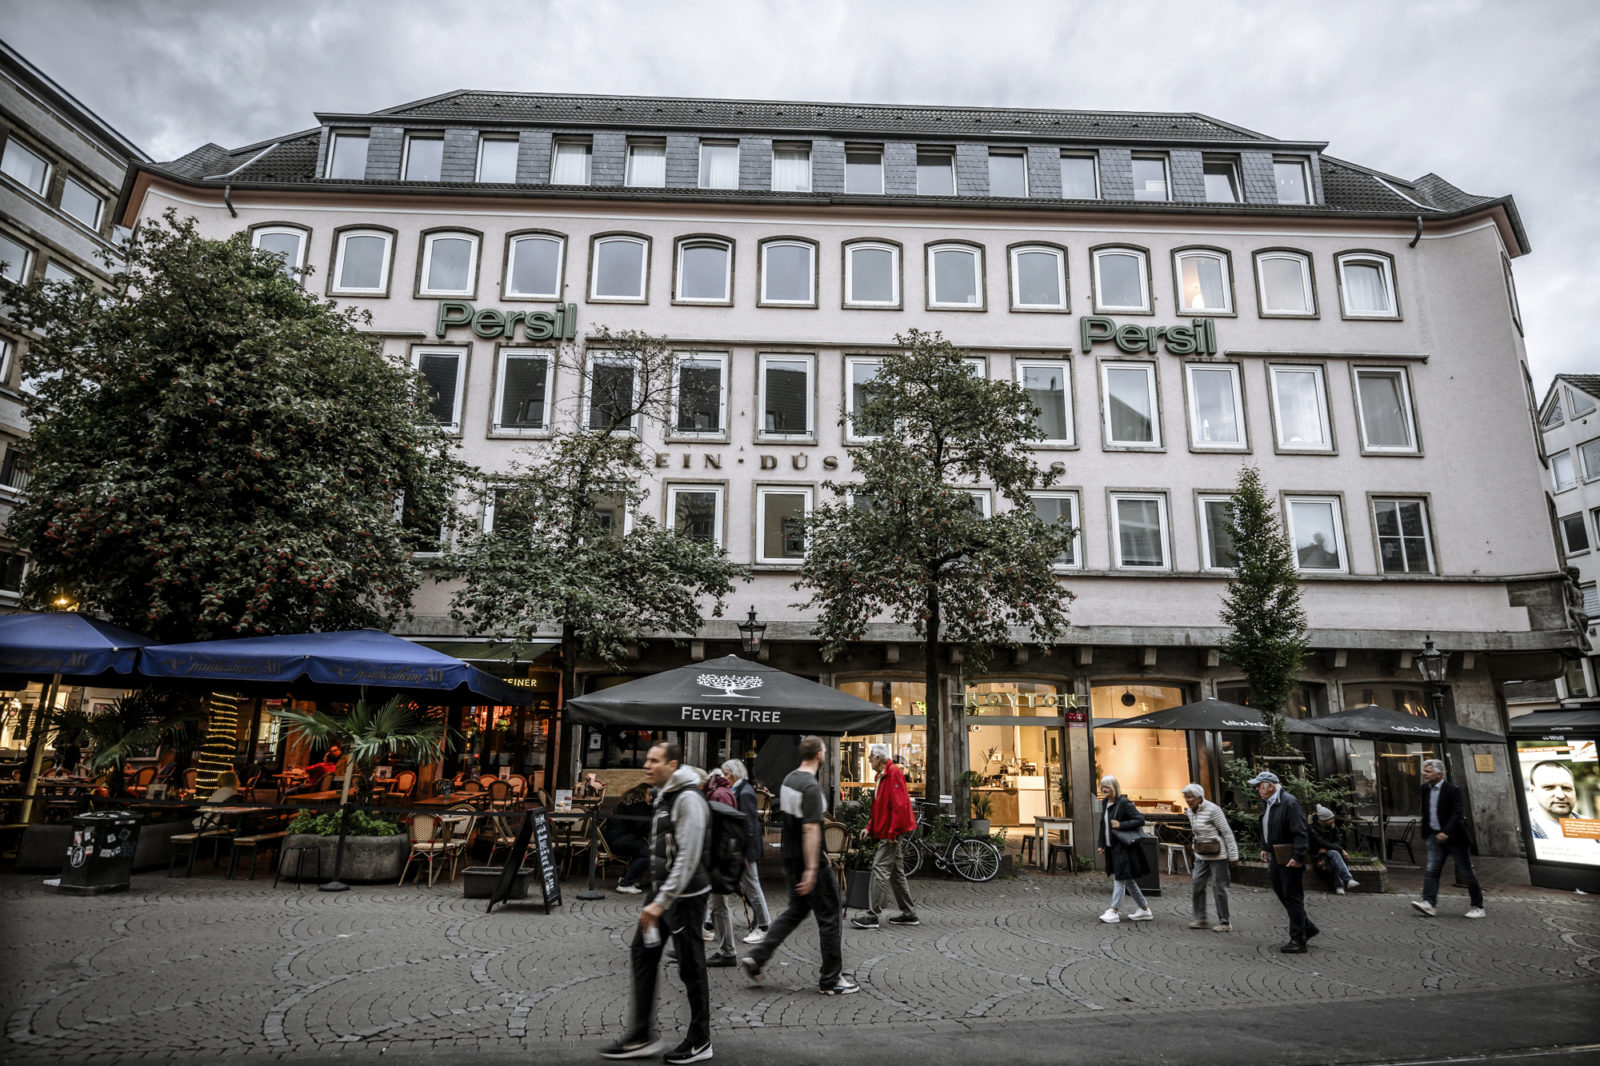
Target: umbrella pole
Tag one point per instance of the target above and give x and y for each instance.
(592, 892)
(41, 725)
(337, 885)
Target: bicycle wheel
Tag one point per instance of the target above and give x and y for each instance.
(976, 860)
(911, 858)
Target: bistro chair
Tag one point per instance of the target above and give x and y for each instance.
(484, 780)
(430, 843)
(209, 827)
(461, 822)
(519, 786)
(503, 835)
(1407, 834)
(142, 779)
(835, 845)
(405, 783)
(499, 794)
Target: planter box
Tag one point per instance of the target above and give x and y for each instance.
(479, 882)
(365, 858)
(1373, 878)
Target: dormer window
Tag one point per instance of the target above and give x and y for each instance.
(1294, 183)
(1222, 180)
(424, 159)
(347, 157)
(1150, 177)
(570, 163)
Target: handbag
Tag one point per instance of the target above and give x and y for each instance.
(1126, 837)
(1208, 848)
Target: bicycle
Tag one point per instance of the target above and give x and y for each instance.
(972, 858)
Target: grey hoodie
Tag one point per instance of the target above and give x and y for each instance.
(678, 839)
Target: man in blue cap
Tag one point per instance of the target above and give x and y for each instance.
(1283, 847)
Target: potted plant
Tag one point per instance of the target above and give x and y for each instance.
(980, 803)
(375, 845)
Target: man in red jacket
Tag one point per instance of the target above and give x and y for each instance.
(891, 819)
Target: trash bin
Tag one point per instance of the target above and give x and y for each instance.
(1150, 883)
(100, 853)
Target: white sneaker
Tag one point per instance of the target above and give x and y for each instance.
(708, 934)
(755, 936)
(1475, 912)
(1111, 916)
(632, 890)
(1143, 914)
(1352, 883)
(1425, 907)
(1338, 890)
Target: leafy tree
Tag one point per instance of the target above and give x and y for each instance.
(568, 546)
(1266, 624)
(904, 538)
(368, 733)
(216, 451)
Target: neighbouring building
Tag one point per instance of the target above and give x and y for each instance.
(1179, 294)
(1569, 421)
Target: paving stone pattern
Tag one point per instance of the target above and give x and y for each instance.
(189, 970)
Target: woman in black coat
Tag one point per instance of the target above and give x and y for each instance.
(1120, 823)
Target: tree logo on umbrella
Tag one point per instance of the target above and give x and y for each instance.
(730, 683)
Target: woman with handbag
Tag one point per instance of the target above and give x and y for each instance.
(1214, 849)
(1120, 823)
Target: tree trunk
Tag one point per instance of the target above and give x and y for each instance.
(933, 774)
(569, 689)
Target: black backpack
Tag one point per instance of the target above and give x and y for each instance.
(727, 837)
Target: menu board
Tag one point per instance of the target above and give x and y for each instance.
(1561, 793)
(535, 831)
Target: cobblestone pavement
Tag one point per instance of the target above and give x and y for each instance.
(197, 969)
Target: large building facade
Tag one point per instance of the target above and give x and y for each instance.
(1569, 421)
(1179, 295)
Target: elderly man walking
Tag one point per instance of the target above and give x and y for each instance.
(1214, 849)
(1284, 847)
(891, 820)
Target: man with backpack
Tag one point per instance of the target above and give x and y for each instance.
(812, 889)
(678, 840)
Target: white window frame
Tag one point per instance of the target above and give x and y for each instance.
(1406, 410)
(704, 176)
(1557, 460)
(976, 255)
(1307, 288)
(1202, 502)
(1234, 182)
(607, 359)
(894, 273)
(687, 243)
(484, 139)
(333, 151)
(1511, 292)
(1143, 307)
(1385, 270)
(427, 263)
(1094, 167)
(763, 494)
(383, 275)
(1336, 506)
(809, 361)
(1075, 520)
(442, 542)
(850, 362)
(460, 354)
(1195, 438)
(682, 360)
(6, 348)
(1579, 402)
(1327, 444)
(1016, 277)
(405, 156)
(864, 149)
(57, 271)
(1166, 176)
(1553, 415)
(1583, 521)
(985, 503)
(1160, 499)
(950, 156)
(1588, 472)
(503, 359)
(300, 235)
(1427, 532)
(628, 173)
(1149, 370)
(99, 203)
(572, 143)
(1009, 153)
(1223, 264)
(792, 147)
(595, 247)
(719, 491)
(18, 272)
(811, 273)
(561, 265)
(13, 141)
(1020, 365)
(1305, 177)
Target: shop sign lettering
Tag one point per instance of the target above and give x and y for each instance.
(727, 716)
(1197, 338)
(1017, 700)
(560, 324)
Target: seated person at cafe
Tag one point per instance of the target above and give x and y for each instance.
(227, 791)
(318, 772)
(627, 832)
(1327, 854)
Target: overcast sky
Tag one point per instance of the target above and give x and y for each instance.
(1494, 97)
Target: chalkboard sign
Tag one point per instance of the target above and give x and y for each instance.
(535, 830)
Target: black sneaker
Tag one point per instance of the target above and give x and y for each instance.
(722, 960)
(905, 919)
(864, 922)
(752, 969)
(688, 1052)
(633, 1048)
(842, 987)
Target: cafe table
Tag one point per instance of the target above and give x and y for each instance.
(1042, 828)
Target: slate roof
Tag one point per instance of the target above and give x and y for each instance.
(1589, 383)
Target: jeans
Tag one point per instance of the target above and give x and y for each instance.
(823, 901)
(684, 919)
(1289, 883)
(1216, 872)
(889, 874)
(722, 923)
(1464, 871)
(1132, 889)
(1337, 866)
(635, 846)
(750, 885)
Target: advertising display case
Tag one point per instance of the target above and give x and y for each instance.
(1556, 756)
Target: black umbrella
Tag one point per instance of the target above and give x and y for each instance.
(1213, 715)
(730, 693)
(1380, 723)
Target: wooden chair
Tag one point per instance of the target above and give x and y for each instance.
(190, 777)
(142, 779)
(499, 795)
(405, 783)
(519, 786)
(504, 834)
(429, 842)
(462, 824)
(835, 845)
(484, 780)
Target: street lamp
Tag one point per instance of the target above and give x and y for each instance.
(750, 634)
(1432, 664)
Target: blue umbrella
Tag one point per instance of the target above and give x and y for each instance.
(355, 659)
(80, 649)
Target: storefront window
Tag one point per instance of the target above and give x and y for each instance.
(1149, 764)
(1019, 763)
(908, 744)
(1395, 697)
(1307, 701)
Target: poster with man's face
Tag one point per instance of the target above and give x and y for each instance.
(1561, 788)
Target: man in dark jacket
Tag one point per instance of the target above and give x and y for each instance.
(1283, 828)
(1446, 833)
(891, 820)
